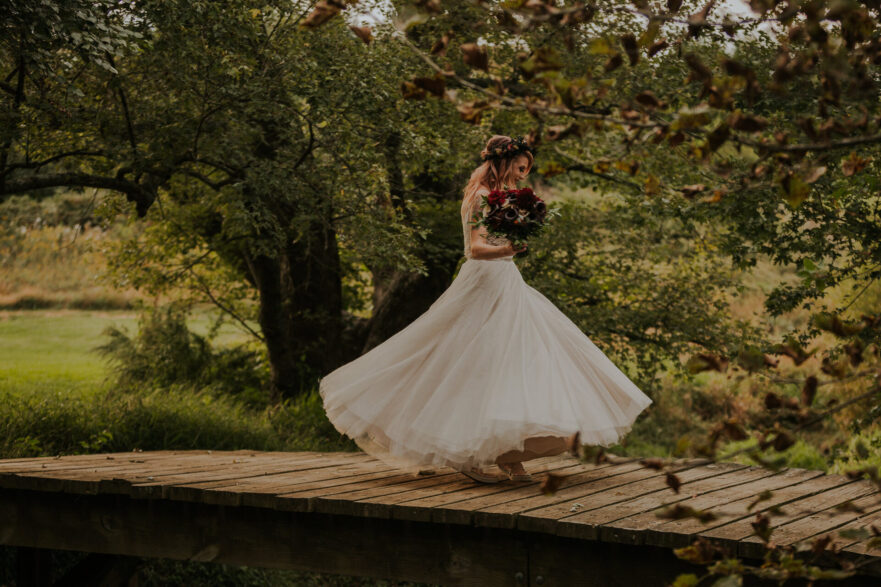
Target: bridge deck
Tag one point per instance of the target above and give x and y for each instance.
(607, 503)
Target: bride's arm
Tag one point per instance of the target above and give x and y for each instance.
(481, 249)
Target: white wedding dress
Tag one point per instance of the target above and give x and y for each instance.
(490, 364)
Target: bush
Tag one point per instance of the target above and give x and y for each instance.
(863, 450)
(71, 420)
(165, 352)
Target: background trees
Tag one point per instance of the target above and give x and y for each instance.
(284, 175)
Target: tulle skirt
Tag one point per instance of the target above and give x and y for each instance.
(491, 366)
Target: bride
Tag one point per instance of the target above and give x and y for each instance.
(492, 373)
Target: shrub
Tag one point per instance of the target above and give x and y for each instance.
(165, 352)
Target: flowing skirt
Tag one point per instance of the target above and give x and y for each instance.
(490, 364)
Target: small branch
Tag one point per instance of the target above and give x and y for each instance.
(207, 291)
(805, 147)
(37, 164)
(519, 103)
(130, 129)
(215, 185)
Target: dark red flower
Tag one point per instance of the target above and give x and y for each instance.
(496, 198)
(525, 198)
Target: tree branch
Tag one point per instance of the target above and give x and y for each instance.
(134, 192)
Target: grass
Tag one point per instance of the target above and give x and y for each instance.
(55, 397)
(58, 346)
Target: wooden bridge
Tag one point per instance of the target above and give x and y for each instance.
(348, 513)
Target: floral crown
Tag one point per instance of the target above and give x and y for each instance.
(512, 149)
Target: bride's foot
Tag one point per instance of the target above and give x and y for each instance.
(481, 476)
(515, 471)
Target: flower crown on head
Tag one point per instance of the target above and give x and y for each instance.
(512, 149)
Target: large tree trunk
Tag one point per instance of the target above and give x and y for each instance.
(301, 314)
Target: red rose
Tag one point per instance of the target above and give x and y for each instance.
(525, 198)
(496, 198)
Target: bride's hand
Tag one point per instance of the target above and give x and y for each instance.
(513, 250)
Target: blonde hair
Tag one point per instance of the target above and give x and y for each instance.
(492, 173)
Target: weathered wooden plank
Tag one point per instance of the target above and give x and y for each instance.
(655, 529)
(560, 518)
(796, 508)
(864, 521)
(231, 490)
(497, 513)
(377, 499)
(792, 486)
(453, 505)
(51, 465)
(38, 461)
(822, 521)
(270, 496)
(113, 478)
(159, 458)
(156, 484)
(338, 469)
(120, 478)
(350, 503)
(623, 522)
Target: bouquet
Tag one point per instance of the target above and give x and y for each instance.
(515, 215)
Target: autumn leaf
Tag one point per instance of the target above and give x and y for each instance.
(706, 362)
(543, 59)
(809, 391)
(832, 323)
(700, 552)
(853, 164)
(411, 91)
(364, 33)
(717, 137)
(472, 111)
(794, 189)
(765, 495)
(657, 47)
(614, 62)
(815, 174)
(733, 430)
(551, 483)
(648, 99)
(793, 349)
(652, 463)
(475, 56)
(323, 11)
(762, 527)
(854, 351)
(699, 70)
(746, 123)
(436, 85)
(631, 48)
(440, 46)
(551, 169)
(782, 441)
(690, 191)
(555, 133)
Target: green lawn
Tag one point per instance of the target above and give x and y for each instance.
(58, 346)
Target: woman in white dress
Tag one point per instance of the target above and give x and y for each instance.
(491, 373)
